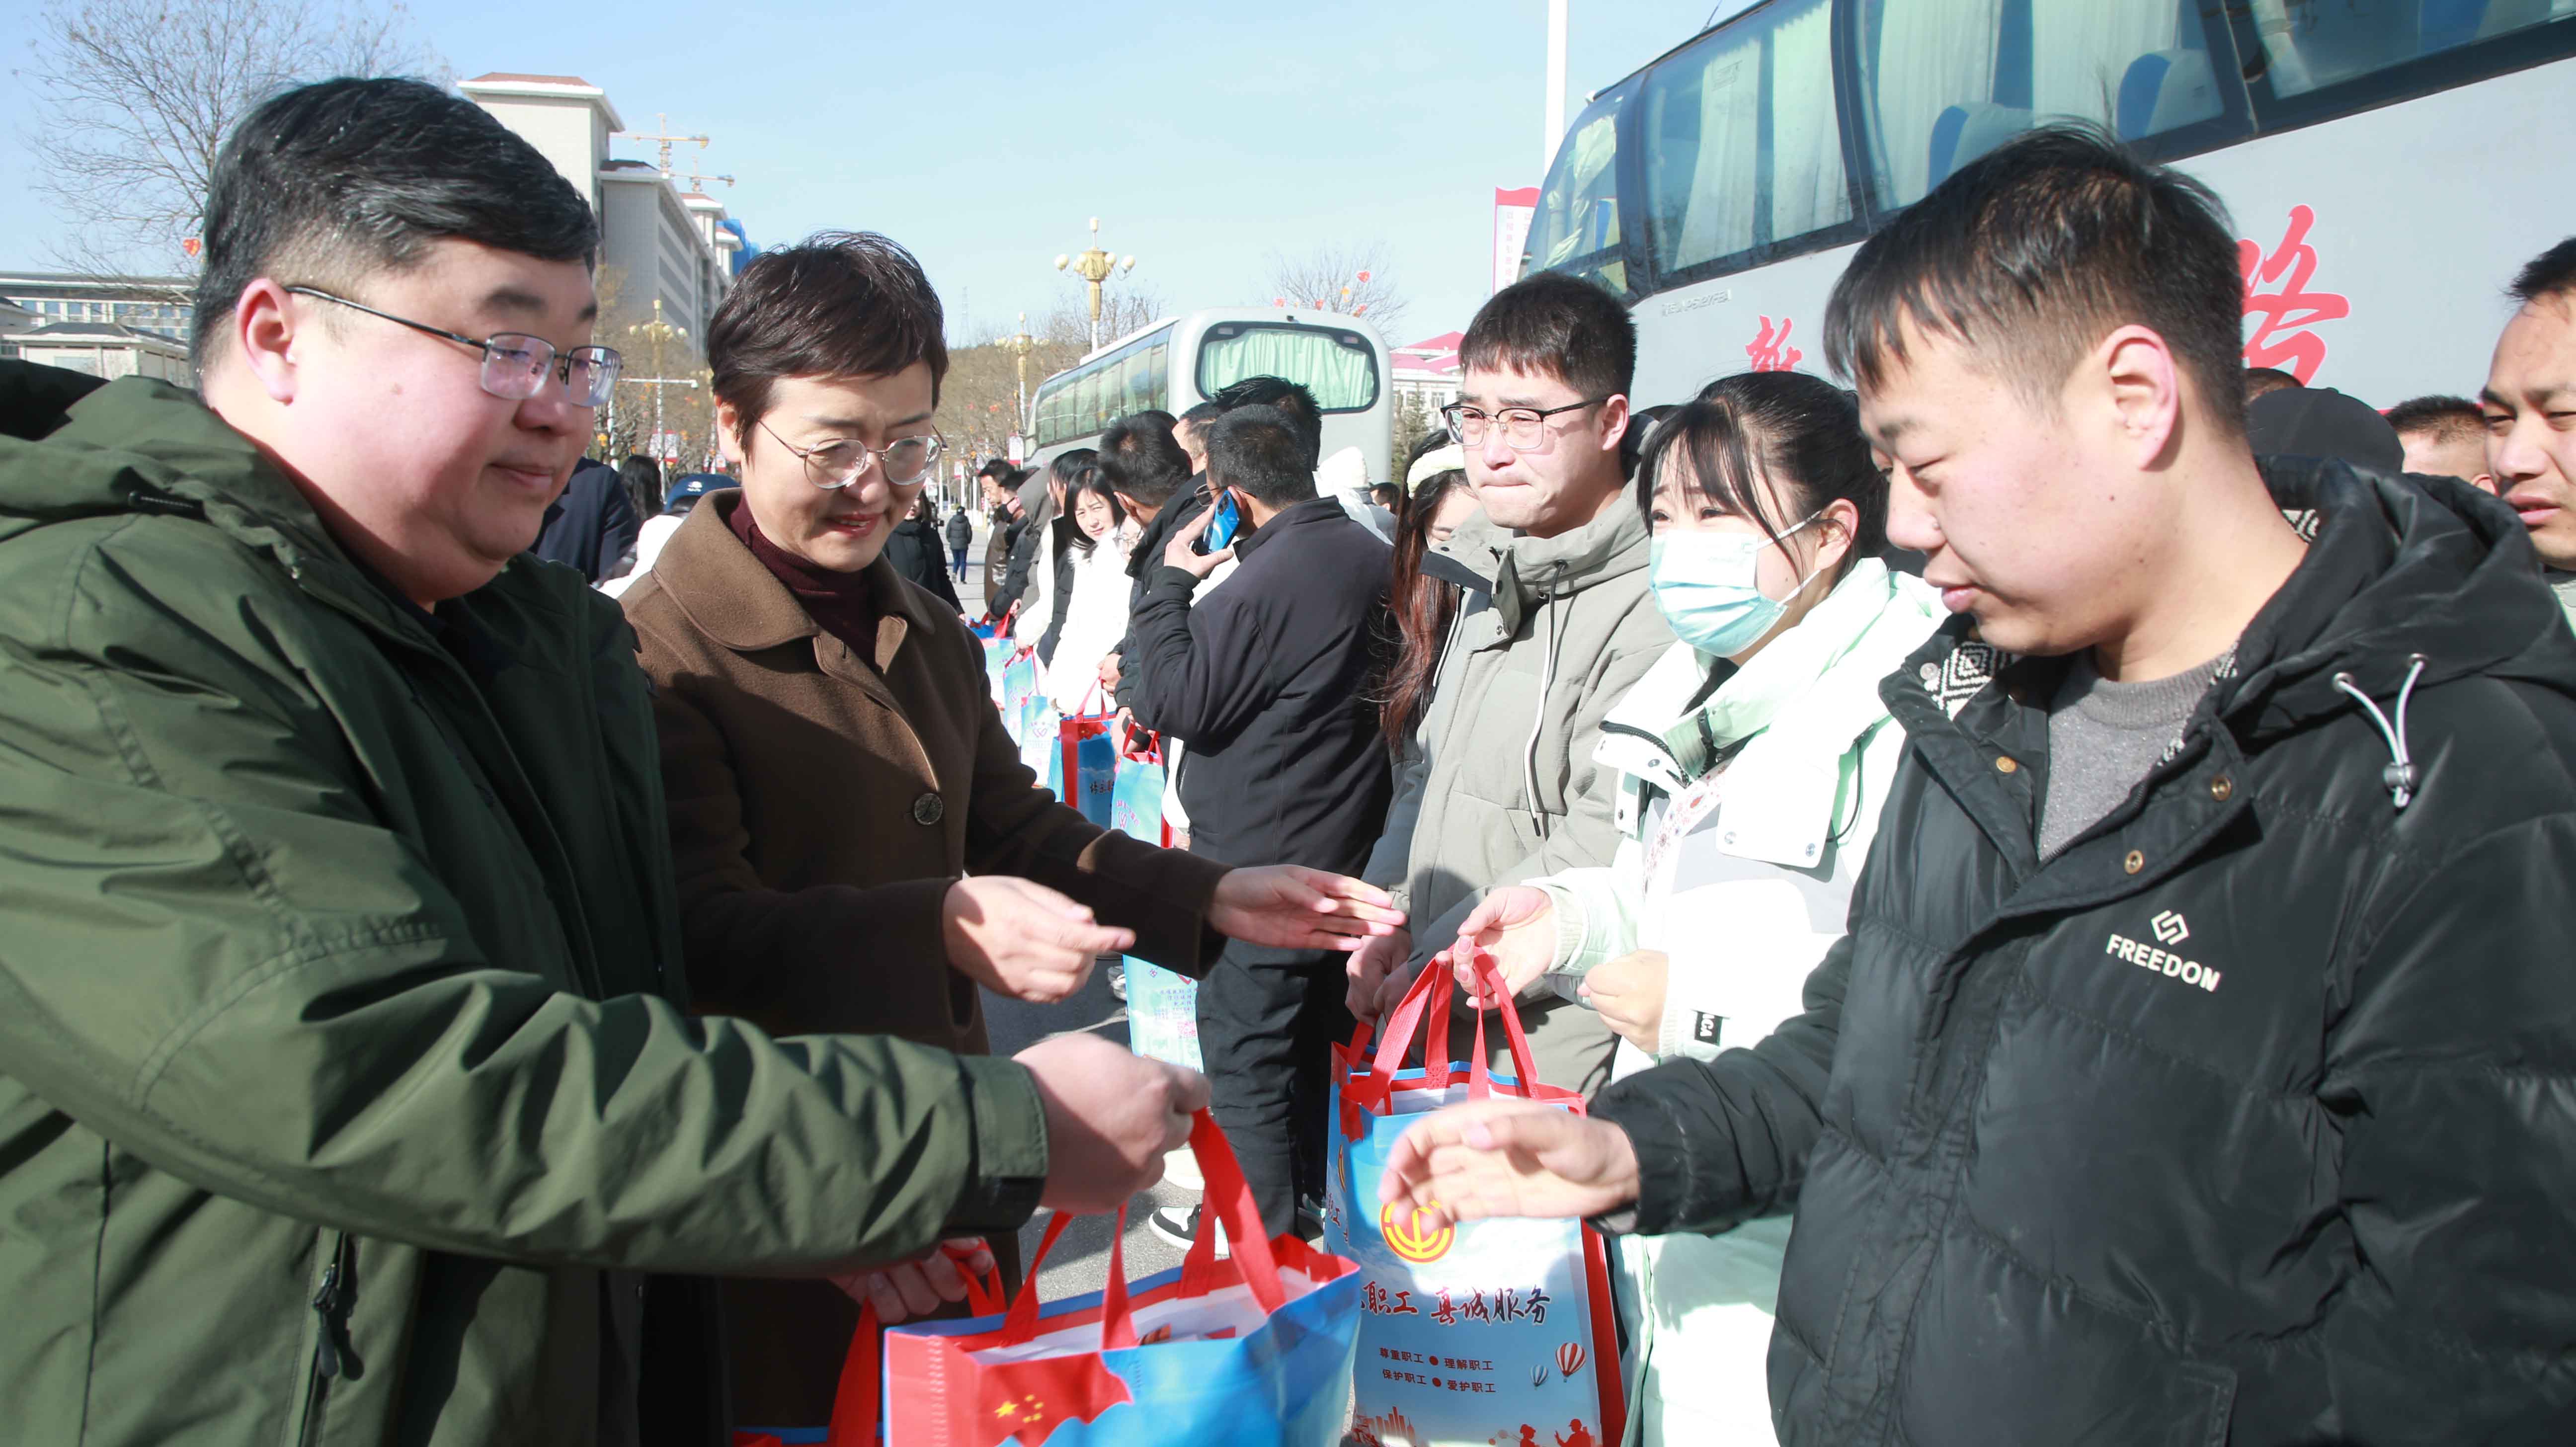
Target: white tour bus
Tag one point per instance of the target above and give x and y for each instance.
(1177, 363)
(2389, 164)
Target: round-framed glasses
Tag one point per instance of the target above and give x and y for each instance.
(515, 365)
(906, 461)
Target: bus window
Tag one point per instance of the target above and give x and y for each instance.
(1949, 80)
(1148, 388)
(2308, 45)
(1576, 227)
(1336, 366)
(1742, 142)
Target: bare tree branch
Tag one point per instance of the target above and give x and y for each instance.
(1328, 278)
(135, 96)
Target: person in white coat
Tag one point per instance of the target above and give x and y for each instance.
(1752, 758)
(1095, 616)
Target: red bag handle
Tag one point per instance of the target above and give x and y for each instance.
(855, 1403)
(1480, 1078)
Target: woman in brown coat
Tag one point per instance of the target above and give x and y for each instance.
(857, 843)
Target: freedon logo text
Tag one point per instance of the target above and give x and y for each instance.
(2163, 962)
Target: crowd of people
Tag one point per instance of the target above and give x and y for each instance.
(2050, 866)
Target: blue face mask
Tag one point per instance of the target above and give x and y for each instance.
(1704, 586)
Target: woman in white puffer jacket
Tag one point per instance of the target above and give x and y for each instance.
(1096, 613)
(1753, 759)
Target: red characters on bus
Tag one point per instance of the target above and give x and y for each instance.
(1771, 352)
(2281, 336)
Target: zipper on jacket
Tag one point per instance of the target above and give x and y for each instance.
(330, 1306)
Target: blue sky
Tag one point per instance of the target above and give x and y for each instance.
(983, 135)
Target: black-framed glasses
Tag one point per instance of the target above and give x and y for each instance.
(515, 365)
(1523, 427)
(835, 465)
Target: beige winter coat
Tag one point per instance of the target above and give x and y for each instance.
(1505, 787)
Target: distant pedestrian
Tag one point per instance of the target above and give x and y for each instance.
(961, 535)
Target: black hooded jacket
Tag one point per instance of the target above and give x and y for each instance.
(2247, 1118)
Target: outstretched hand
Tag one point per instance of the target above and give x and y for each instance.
(1289, 907)
(1517, 926)
(1492, 1158)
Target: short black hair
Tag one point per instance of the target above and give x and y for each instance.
(332, 182)
(997, 469)
(1554, 325)
(1201, 417)
(2029, 255)
(1293, 398)
(1800, 432)
(837, 304)
(1259, 450)
(1070, 465)
(2449, 418)
(2551, 273)
(2262, 382)
(1140, 457)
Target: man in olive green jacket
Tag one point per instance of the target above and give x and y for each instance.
(346, 1093)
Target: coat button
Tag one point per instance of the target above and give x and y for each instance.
(2134, 862)
(2222, 788)
(929, 809)
(2007, 764)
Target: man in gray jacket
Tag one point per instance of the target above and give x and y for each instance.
(1558, 624)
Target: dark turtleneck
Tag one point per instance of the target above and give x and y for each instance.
(839, 603)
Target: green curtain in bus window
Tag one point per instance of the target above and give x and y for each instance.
(1712, 171)
(1086, 402)
(1341, 378)
(2308, 45)
(1949, 80)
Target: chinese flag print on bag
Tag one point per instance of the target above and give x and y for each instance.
(1251, 1351)
(1025, 1401)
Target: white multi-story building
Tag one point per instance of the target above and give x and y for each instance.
(667, 246)
(158, 304)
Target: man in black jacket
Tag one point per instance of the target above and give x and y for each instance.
(2196, 1066)
(1264, 678)
(591, 523)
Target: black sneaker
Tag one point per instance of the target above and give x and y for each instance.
(1118, 982)
(1181, 1228)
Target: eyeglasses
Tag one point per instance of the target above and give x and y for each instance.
(515, 365)
(1523, 427)
(835, 465)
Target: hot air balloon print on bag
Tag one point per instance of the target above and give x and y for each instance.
(1569, 1358)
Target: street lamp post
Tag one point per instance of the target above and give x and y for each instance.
(657, 332)
(1094, 267)
(1023, 344)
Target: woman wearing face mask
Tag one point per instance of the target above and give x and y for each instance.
(1754, 757)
